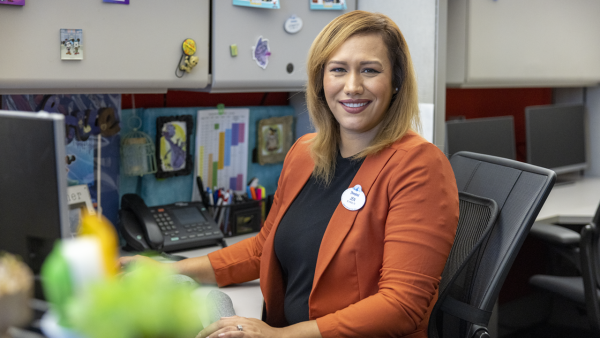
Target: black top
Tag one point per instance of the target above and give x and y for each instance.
(300, 232)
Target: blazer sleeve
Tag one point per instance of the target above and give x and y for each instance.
(419, 232)
(240, 262)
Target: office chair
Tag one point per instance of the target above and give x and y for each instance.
(584, 289)
(519, 190)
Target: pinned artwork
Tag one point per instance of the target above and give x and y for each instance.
(71, 44)
(274, 139)
(13, 2)
(270, 4)
(328, 4)
(173, 150)
(261, 52)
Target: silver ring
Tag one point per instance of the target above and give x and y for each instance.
(240, 328)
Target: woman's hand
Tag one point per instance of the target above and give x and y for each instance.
(228, 327)
(126, 260)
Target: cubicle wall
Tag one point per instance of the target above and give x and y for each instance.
(242, 26)
(126, 48)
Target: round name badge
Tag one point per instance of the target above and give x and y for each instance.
(353, 198)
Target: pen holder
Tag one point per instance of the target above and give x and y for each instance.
(240, 218)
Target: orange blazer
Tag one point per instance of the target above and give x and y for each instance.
(378, 268)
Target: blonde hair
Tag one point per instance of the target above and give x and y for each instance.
(403, 112)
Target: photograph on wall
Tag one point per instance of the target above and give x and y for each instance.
(90, 121)
(271, 4)
(13, 2)
(274, 139)
(173, 151)
(71, 44)
(327, 4)
(123, 2)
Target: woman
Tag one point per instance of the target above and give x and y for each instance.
(369, 266)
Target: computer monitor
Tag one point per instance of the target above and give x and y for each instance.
(33, 184)
(489, 135)
(556, 137)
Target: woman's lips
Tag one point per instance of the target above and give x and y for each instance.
(354, 106)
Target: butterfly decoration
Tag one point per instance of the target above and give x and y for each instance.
(261, 52)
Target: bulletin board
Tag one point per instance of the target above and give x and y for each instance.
(127, 48)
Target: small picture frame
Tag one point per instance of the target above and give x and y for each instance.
(71, 44)
(274, 139)
(80, 202)
(173, 145)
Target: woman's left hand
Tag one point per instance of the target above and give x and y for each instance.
(236, 326)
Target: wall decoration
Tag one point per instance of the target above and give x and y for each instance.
(328, 4)
(261, 52)
(173, 145)
(274, 139)
(222, 147)
(71, 44)
(86, 117)
(271, 4)
(13, 2)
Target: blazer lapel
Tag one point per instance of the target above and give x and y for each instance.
(342, 220)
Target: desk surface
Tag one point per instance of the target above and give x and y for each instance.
(578, 199)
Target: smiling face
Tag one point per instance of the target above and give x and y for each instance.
(357, 82)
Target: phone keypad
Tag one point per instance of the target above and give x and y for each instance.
(174, 233)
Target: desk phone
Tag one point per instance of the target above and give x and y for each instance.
(173, 227)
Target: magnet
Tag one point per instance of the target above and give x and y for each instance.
(189, 47)
(293, 24)
(233, 50)
(261, 52)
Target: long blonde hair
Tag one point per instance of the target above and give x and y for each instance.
(403, 112)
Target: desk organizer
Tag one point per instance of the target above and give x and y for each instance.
(240, 218)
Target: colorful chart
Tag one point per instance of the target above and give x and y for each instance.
(222, 148)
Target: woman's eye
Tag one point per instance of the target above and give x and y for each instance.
(371, 70)
(337, 70)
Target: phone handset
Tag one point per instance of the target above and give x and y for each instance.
(152, 233)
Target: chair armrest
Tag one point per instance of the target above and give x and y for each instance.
(555, 234)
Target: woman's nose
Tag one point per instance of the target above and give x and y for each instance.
(353, 85)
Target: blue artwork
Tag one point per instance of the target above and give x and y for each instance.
(261, 52)
(86, 117)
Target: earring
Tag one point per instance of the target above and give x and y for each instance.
(396, 89)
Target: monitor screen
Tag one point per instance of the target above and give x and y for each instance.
(489, 135)
(556, 137)
(33, 184)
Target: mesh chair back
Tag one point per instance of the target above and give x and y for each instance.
(520, 190)
(476, 217)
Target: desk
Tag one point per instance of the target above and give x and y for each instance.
(247, 297)
(574, 202)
